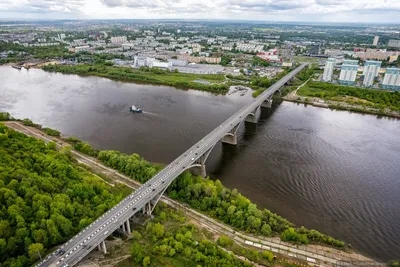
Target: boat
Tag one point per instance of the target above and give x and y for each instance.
(16, 67)
(135, 109)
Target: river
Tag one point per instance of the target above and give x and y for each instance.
(334, 171)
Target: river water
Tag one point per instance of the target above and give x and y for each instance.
(334, 171)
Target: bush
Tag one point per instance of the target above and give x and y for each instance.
(225, 241)
(27, 122)
(51, 132)
(5, 116)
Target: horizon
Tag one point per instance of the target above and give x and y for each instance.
(248, 21)
(322, 11)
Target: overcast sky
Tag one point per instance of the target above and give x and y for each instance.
(265, 10)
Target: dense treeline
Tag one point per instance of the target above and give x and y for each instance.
(154, 76)
(168, 240)
(214, 199)
(375, 98)
(41, 52)
(44, 198)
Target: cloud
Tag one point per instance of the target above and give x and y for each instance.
(295, 10)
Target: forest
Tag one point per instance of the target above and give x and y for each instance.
(169, 239)
(146, 75)
(379, 99)
(45, 198)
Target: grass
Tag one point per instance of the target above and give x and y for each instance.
(147, 76)
(182, 77)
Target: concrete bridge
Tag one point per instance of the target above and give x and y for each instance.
(146, 197)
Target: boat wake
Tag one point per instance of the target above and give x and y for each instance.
(151, 113)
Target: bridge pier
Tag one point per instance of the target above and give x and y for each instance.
(102, 247)
(252, 117)
(267, 103)
(231, 136)
(128, 227)
(199, 166)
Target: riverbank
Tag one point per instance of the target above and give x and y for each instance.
(312, 253)
(261, 222)
(368, 101)
(146, 75)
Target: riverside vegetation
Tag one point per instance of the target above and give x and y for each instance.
(171, 240)
(210, 197)
(45, 197)
(368, 98)
(146, 75)
(207, 196)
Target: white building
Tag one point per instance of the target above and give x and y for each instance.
(119, 40)
(142, 61)
(392, 79)
(348, 73)
(328, 70)
(80, 48)
(394, 43)
(376, 40)
(371, 70)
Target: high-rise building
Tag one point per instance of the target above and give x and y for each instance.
(328, 71)
(392, 79)
(119, 40)
(376, 40)
(371, 70)
(394, 43)
(348, 73)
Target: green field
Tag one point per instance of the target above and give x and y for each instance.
(146, 75)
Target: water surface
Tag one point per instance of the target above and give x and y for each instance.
(334, 171)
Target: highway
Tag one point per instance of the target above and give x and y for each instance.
(89, 238)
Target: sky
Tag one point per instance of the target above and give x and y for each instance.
(381, 11)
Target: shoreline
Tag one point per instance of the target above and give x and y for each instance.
(340, 107)
(273, 242)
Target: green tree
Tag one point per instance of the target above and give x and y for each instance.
(35, 251)
(137, 252)
(146, 261)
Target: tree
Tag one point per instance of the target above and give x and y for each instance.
(268, 255)
(137, 252)
(35, 251)
(146, 261)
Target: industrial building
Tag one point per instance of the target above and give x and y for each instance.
(371, 70)
(391, 80)
(328, 70)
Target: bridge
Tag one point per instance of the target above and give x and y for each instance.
(146, 197)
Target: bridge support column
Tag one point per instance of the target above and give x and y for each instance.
(128, 227)
(267, 103)
(199, 167)
(252, 117)
(103, 244)
(231, 136)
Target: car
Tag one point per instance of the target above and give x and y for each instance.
(106, 232)
(192, 158)
(61, 252)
